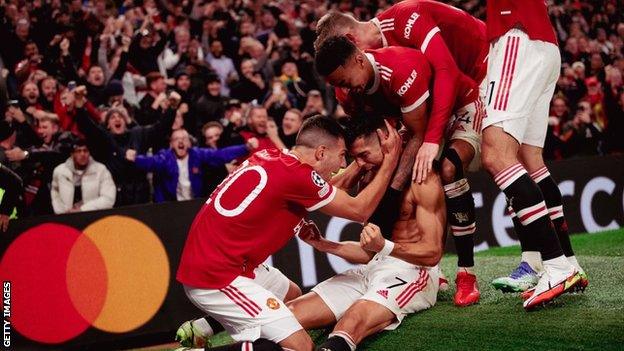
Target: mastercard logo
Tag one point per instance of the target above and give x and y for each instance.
(113, 276)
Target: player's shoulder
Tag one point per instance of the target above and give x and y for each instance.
(396, 56)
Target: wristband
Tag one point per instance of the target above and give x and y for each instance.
(387, 248)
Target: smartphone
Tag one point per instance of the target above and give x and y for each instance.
(14, 103)
(71, 85)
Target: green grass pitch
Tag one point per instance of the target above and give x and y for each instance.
(593, 320)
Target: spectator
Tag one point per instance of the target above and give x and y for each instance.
(149, 108)
(222, 65)
(146, 46)
(49, 92)
(37, 163)
(212, 132)
(81, 183)
(10, 192)
(210, 107)
(314, 104)
(279, 101)
(257, 125)
(250, 86)
(178, 171)
(110, 145)
(294, 83)
(95, 84)
(293, 119)
(581, 135)
(233, 122)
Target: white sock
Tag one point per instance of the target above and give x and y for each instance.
(534, 259)
(465, 269)
(203, 326)
(559, 263)
(346, 337)
(574, 262)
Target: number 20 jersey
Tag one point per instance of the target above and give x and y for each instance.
(252, 214)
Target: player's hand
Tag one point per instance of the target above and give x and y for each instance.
(252, 144)
(424, 161)
(371, 238)
(310, 233)
(390, 143)
(4, 222)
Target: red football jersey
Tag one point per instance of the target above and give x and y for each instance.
(414, 23)
(252, 214)
(403, 76)
(529, 15)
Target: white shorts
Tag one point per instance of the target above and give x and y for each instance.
(250, 309)
(522, 74)
(399, 286)
(465, 125)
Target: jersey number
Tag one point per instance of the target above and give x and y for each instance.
(492, 83)
(248, 199)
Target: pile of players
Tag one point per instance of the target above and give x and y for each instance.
(432, 93)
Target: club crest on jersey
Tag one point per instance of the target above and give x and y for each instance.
(461, 216)
(272, 303)
(408, 83)
(317, 179)
(410, 23)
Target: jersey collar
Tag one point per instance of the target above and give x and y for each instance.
(371, 59)
(384, 42)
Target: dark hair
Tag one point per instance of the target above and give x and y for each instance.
(152, 77)
(332, 53)
(317, 130)
(361, 127)
(79, 143)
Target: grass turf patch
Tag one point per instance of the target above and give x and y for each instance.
(593, 320)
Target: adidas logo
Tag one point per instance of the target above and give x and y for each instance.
(383, 293)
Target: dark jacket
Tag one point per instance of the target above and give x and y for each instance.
(166, 173)
(110, 149)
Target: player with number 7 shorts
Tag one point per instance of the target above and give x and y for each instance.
(399, 274)
(254, 212)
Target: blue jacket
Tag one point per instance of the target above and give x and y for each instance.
(165, 168)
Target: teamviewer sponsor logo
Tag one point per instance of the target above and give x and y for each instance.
(6, 314)
(410, 23)
(408, 83)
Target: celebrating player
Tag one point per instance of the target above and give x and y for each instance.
(402, 76)
(253, 213)
(399, 276)
(523, 68)
(450, 38)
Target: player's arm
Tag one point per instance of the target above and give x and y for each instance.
(416, 122)
(431, 217)
(348, 177)
(351, 251)
(360, 207)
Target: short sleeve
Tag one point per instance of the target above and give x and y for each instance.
(410, 80)
(413, 27)
(308, 189)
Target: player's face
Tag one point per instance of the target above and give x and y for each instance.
(354, 75)
(367, 152)
(332, 160)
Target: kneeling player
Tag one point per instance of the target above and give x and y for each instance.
(195, 333)
(400, 276)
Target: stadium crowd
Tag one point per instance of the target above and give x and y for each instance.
(97, 95)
